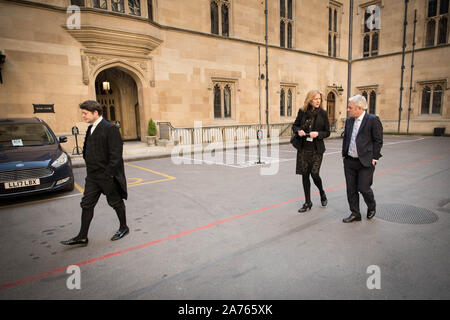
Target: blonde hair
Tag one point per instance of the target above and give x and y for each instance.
(310, 96)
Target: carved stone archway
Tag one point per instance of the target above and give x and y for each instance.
(127, 52)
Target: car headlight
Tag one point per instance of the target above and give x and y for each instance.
(62, 159)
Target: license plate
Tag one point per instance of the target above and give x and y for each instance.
(22, 183)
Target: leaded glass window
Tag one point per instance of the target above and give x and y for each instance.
(135, 7)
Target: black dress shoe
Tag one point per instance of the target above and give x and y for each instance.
(370, 213)
(120, 234)
(75, 241)
(351, 218)
(324, 200)
(306, 206)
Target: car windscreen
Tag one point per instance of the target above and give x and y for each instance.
(24, 134)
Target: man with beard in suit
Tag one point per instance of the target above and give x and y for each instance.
(363, 139)
(102, 153)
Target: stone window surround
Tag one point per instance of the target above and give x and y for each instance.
(219, 3)
(436, 18)
(143, 3)
(419, 90)
(293, 87)
(368, 89)
(222, 82)
(286, 20)
(360, 10)
(339, 7)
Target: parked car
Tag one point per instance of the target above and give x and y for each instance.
(31, 158)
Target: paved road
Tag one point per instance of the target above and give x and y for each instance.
(218, 229)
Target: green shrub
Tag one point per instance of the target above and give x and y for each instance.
(151, 128)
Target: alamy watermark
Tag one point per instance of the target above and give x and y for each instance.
(374, 281)
(74, 19)
(74, 280)
(374, 19)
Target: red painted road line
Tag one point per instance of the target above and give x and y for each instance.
(147, 244)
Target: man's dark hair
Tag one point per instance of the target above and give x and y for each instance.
(92, 105)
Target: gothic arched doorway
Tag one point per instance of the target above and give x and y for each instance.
(119, 101)
(331, 109)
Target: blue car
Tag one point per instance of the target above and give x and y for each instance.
(31, 159)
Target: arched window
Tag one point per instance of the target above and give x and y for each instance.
(101, 4)
(289, 103)
(426, 97)
(330, 19)
(437, 100)
(227, 101)
(289, 38)
(329, 45)
(214, 18)
(437, 24)
(135, 7)
(335, 21)
(364, 94)
(117, 6)
(366, 46)
(223, 100)
(432, 8)
(217, 106)
(225, 20)
(372, 102)
(282, 103)
(334, 46)
(333, 32)
(366, 18)
(431, 25)
(289, 15)
(286, 23)
(444, 7)
(375, 44)
(442, 33)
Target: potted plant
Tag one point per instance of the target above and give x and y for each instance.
(151, 130)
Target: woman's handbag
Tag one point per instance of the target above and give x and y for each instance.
(296, 141)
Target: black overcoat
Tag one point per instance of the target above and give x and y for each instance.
(321, 125)
(104, 156)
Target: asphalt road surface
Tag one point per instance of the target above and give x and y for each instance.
(221, 226)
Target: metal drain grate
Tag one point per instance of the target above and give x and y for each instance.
(404, 213)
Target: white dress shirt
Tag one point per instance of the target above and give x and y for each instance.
(352, 150)
(94, 125)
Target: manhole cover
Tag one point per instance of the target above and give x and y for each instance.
(404, 213)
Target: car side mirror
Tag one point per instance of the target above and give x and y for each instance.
(62, 139)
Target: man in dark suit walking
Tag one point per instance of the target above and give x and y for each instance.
(363, 139)
(102, 153)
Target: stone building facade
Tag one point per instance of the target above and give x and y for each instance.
(183, 61)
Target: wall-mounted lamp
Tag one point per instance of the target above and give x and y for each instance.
(2, 61)
(106, 85)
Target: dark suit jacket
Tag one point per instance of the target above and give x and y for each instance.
(321, 125)
(368, 141)
(102, 153)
